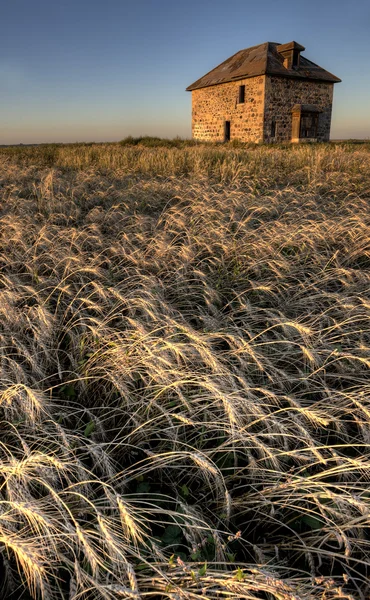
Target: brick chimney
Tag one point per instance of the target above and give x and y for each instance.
(290, 53)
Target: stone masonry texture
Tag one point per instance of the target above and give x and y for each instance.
(281, 94)
(212, 106)
(267, 99)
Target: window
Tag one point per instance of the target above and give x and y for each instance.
(273, 128)
(305, 122)
(241, 99)
(309, 123)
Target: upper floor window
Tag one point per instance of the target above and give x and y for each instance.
(241, 98)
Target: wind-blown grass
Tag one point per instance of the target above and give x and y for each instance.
(184, 398)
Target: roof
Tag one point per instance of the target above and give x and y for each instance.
(263, 59)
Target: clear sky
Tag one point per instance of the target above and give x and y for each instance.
(99, 70)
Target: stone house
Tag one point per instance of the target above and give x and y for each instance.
(268, 93)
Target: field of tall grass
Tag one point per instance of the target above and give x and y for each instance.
(185, 389)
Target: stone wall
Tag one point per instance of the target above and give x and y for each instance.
(267, 99)
(281, 93)
(214, 105)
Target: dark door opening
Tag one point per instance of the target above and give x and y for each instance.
(227, 131)
(273, 128)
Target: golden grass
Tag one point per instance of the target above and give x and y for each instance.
(184, 362)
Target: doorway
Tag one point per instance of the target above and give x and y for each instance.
(227, 131)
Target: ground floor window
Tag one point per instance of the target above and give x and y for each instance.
(305, 122)
(309, 124)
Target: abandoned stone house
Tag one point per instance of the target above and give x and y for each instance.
(268, 93)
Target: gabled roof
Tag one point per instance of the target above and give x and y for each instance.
(263, 59)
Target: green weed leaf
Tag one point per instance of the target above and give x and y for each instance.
(89, 429)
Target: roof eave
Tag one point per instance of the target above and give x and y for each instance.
(193, 86)
(330, 79)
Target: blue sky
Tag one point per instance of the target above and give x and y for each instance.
(99, 70)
